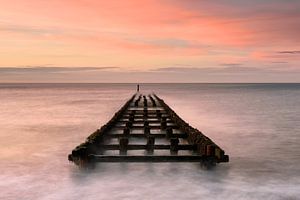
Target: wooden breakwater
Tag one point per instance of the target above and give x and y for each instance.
(146, 129)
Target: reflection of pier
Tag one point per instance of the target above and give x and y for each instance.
(146, 129)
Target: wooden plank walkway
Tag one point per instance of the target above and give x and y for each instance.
(146, 129)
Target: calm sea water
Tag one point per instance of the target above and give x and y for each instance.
(256, 124)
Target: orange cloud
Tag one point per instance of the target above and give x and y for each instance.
(147, 33)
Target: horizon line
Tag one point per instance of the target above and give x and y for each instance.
(149, 82)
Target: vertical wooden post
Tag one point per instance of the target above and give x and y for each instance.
(158, 114)
(150, 144)
(131, 119)
(202, 147)
(174, 146)
(123, 142)
(169, 132)
(136, 103)
(163, 123)
(131, 116)
(210, 150)
(129, 124)
(196, 150)
(219, 153)
(126, 132)
(146, 123)
(147, 130)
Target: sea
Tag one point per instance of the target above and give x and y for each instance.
(258, 126)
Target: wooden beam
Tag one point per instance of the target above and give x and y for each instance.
(137, 135)
(147, 158)
(145, 146)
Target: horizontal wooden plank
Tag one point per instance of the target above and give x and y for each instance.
(140, 112)
(141, 147)
(150, 126)
(148, 158)
(142, 116)
(156, 135)
(141, 121)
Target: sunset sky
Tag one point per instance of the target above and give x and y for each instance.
(150, 41)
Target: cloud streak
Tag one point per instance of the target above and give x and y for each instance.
(149, 36)
(289, 52)
(163, 74)
(233, 69)
(39, 69)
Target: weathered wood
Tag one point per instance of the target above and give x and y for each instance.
(174, 145)
(128, 124)
(146, 158)
(126, 132)
(123, 145)
(142, 121)
(155, 121)
(141, 146)
(137, 135)
(121, 127)
(163, 123)
(147, 130)
(150, 144)
(169, 132)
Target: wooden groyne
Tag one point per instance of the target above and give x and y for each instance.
(146, 129)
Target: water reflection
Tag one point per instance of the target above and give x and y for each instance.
(257, 126)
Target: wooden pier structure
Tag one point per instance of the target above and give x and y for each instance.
(146, 129)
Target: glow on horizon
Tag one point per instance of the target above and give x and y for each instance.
(136, 40)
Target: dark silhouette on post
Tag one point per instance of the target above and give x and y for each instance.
(138, 88)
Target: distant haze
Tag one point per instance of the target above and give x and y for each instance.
(150, 41)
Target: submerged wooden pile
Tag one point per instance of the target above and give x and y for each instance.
(146, 129)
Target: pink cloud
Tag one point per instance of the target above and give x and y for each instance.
(189, 32)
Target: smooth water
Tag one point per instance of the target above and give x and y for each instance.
(256, 124)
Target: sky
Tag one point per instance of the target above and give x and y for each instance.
(150, 41)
